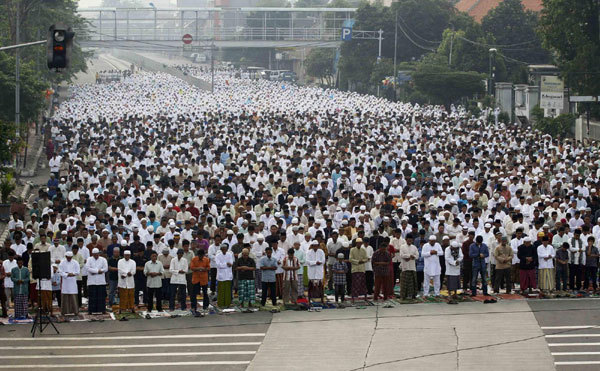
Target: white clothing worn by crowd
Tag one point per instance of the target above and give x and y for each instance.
(176, 266)
(69, 284)
(125, 268)
(315, 271)
(96, 269)
(224, 272)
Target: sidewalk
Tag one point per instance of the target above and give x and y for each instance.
(468, 336)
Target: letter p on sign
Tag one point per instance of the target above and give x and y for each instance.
(346, 33)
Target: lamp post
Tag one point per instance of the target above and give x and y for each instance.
(492, 72)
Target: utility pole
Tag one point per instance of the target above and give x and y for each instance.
(380, 38)
(451, 47)
(395, 48)
(212, 67)
(17, 75)
(491, 77)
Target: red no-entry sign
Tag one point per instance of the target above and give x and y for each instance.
(187, 38)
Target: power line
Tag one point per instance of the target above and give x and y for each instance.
(413, 42)
(417, 35)
(496, 45)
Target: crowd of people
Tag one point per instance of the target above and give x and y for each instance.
(272, 192)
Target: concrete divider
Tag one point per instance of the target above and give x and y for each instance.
(152, 65)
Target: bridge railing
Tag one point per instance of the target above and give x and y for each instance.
(224, 24)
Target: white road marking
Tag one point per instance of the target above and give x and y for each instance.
(150, 364)
(198, 336)
(575, 353)
(575, 363)
(572, 344)
(573, 336)
(567, 327)
(122, 346)
(111, 355)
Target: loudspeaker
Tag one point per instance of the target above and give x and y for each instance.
(40, 263)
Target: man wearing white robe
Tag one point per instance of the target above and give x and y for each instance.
(69, 270)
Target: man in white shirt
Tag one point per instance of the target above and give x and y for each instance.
(431, 253)
(546, 255)
(126, 268)
(224, 261)
(69, 270)
(178, 269)
(315, 258)
(8, 265)
(96, 266)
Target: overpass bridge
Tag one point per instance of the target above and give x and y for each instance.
(162, 29)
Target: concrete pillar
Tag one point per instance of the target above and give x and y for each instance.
(504, 97)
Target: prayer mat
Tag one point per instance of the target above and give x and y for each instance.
(126, 315)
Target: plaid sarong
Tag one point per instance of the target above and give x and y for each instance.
(315, 289)
(359, 285)
(408, 284)
(246, 291)
(21, 305)
(300, 285)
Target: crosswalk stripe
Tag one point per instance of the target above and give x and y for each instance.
(575, 353)
(566, 327)
(121, 346)
(149, 364)
(198, 336)
(572, 344)
(573, 336)
(111, 355)
(575, 363)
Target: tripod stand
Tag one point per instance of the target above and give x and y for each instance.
(42, 319)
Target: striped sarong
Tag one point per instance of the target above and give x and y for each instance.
(546, 279)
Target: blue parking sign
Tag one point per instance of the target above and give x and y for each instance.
(346, 33)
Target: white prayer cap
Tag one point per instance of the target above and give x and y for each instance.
(69, 253)
(95, 251)
(127, 252)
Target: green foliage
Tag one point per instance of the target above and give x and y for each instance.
(32, 90)
(8, 143)
(382, 70)
(511, 24)
(423, 20)
(36, 16)
(559, 126)
(570, 30)
(7, 185)
(319, 64)
(443, 85)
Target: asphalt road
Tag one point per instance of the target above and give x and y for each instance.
(219, 342)
(572, 331)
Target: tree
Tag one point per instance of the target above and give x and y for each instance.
(571, 29)
(443, 85)
(511, 25)
(35, 18)
(319, 64)
(420, 27)
(33, 88)
(559, 126)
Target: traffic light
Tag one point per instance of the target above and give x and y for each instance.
(59, 45)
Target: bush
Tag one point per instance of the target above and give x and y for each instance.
(559, 126)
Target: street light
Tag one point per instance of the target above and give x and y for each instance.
(492, 74)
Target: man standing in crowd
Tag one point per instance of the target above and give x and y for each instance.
(200, 266)
(69, 270)
(126, 269)
(96, 266)
(154, 272)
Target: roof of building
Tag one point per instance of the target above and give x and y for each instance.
(480, 8)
